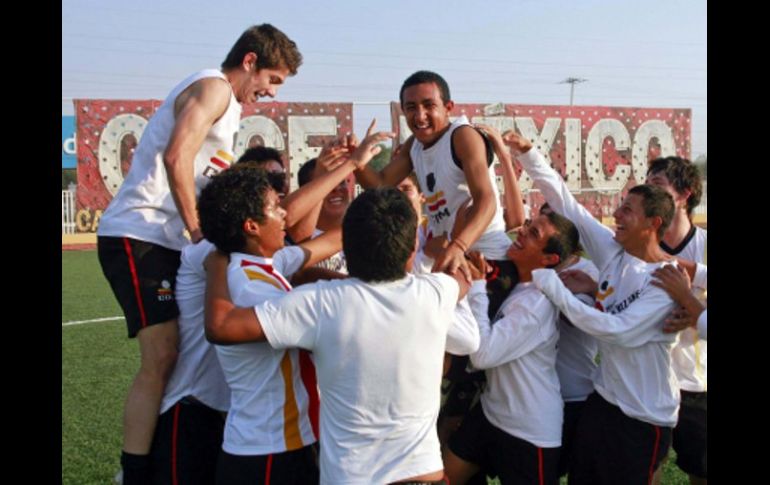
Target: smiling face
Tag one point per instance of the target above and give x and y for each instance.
(631, 223)
(259, 83)
(426, 113)
(531, 239)
(272, 229)
(336, 203)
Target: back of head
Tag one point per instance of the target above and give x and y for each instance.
(683, 175)
(378, 235)
(273, 48)
(231, 197)
(566, 241)
(305, 174)
(656, 202)
(421, 77)
(261, 154)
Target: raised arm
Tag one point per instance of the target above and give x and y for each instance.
(196, 110)
(512, 200)
(225, 323)
(394, 172)
(594, 236)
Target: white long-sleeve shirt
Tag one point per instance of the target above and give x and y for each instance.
(635, 370)
(518, 354)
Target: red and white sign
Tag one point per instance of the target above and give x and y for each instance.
(109, 130)
(600, 151)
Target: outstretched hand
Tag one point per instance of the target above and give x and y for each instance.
(517, 142)
(369, 146)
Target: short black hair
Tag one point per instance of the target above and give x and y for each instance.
(305, 174)
(656, 202)
(683, 175)
(379, 232)
(273, 48)
(231, 197)
(566, 241)
(261, 154)
(421, 77)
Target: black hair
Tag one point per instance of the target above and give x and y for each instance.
(421, 77)
(231, 197)
(683, 175)
(379, 233)
(566, 241)
(656, 202)
(305, 174)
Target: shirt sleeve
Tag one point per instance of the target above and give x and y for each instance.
(700, 280)
(289, 260)
(595, 237)
(463, 334)
(638, 324)
(292, 320)
(519, 332)
(702, 325)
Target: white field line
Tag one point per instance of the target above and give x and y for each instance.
(93, 320)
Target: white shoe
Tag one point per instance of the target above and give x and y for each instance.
(118, 479)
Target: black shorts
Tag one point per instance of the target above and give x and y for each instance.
(186, 444)
(611, 447)
(572, 411)
(690, 434)
(500, 281)
(513, 460)
(143, 277)
(297, 467)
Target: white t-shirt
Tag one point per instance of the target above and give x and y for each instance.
(143, 208)
(445, 188)
(575, 361)
(379, 351)
(635, 370)
(197, 371)
(270, 409)
(689, 354)
(518, 354)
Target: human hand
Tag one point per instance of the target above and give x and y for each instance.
(369, 146)
(451, 260)
(674, 280)
(517, 142)
(678, 320)
(578, 282)
(477, 265)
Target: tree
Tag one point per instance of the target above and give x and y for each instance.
(381, 159)
(700, 162)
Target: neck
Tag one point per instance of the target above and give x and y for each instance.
(678, 229)
(326, 223)
(648, 251)
(441, 133)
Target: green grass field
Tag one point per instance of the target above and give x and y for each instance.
(98, 364)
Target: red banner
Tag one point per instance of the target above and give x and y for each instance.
(600, 151)
(109, 130)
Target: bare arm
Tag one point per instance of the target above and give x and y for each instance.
(196, 110)
(394, 172)
(320, 248)
(512, 199)
(469, 147)
(226, 324)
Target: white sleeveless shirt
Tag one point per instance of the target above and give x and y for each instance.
(143, 208)
(445, 188)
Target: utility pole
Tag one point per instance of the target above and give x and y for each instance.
(572, 81)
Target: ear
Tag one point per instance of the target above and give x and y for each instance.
(685, 195)
(450, 105)
(655, 223)
(249, 60)
(550, 260)
(250, 227)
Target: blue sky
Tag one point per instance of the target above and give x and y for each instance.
(634, 54)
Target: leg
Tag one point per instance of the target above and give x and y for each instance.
(458, 470)
(158, 346)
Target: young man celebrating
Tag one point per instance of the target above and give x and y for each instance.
(153, 216)
(516, 427)
(625, 429)
(378, 341)
(683, 239)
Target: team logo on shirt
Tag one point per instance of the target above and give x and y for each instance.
(602, 293)
(165, 293)
(436, 205)
(220, 161)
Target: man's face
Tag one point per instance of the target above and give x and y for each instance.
(659, 178)
(531, 239)
(272, 229)
(412, 192)
(631, 224)
(261, 83)
(336, 203)
(426, 114)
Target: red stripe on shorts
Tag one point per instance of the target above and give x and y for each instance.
(267, 468)
(135, 281)
(174, 436)
(654, 454)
